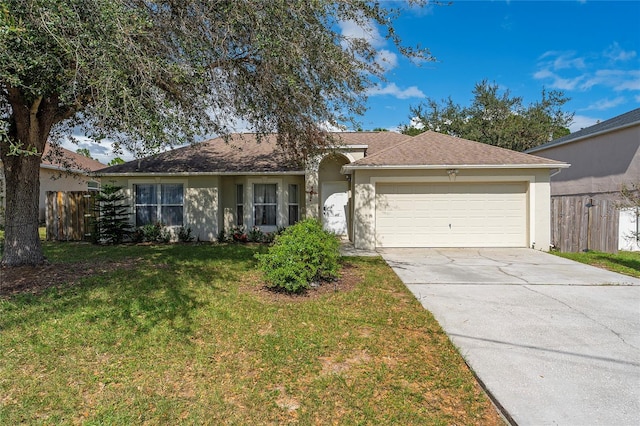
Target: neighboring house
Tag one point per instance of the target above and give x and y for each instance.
(61, 170)
(381, 189)
(603, 158)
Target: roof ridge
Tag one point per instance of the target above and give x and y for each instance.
(393, 145)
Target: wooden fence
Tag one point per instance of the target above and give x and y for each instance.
(69, 215)
(582, 223)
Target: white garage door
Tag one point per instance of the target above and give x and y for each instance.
(451, 215)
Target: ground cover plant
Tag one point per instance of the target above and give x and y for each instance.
(189, 334)
(624, 262)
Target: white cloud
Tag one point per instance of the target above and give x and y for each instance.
(558, 82)
(618, 80)
(616, 53)
(582, 121)
(416, 122)
(387, 59)
(566, 71)
(392, 89)
(604, 104)
(561, 60)
(353, 30)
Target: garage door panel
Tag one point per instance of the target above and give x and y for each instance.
(451, 215)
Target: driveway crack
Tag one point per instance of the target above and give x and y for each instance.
(618, 335)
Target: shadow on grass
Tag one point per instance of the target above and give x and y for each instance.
(622, 260)
(168, 284)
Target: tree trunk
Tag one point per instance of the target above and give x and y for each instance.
(29, 128)
(22, 241)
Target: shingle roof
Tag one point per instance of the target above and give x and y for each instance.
(63, 159)
(242, 153)
(436, 149)
(620, 121)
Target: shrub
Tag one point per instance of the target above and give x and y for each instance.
(303, 253)
(184, 234)
(238, 234)
(155, 233)
(255, 235)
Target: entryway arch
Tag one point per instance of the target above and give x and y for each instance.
(334, 194)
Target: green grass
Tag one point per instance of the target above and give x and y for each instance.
(624, 262)
(186, 337)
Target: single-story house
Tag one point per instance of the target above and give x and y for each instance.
(60, 170)
(603, 158)
(381, 189)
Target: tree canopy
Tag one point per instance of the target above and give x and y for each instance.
(149, 74)
(495, 118)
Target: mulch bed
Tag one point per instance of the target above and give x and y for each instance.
(36, 279)
(349, 278)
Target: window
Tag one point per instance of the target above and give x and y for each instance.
(239, 204)
(92, 185)
(162, 203)
(293, 204)
(264, 204)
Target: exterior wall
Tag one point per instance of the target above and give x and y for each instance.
(538, 197)
(629, 232)
(55, 180)
(201, 198)
(599, 165)
(210, 201)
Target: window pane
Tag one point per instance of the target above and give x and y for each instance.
(293, 214)
(293, 194)
(264, 193)
(172, 193)
(145, 215)
(172, 215)
(239, 194)
(146, 194)
(265, 215)
(239, 215)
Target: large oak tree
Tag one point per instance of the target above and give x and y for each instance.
(149, 74)
(495, 118)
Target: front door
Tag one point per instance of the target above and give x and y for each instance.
(334, 207)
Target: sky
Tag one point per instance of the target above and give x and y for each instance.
(588, 49)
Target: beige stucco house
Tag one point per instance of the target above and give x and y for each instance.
(603, 158)
(60, 170)
(381, 189)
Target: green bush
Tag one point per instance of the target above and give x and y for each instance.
(184, 234)
(303, 253)
(152, 233)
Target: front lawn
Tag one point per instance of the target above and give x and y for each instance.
(186, 334)
(625, 262)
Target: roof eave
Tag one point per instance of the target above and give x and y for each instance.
(142, 173)
(350, 167)
(550, 145)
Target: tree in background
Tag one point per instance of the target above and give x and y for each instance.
(495, 118)
(84, 152)
(152, 74)
(116, 161)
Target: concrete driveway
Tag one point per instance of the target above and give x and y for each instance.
(554, 342)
